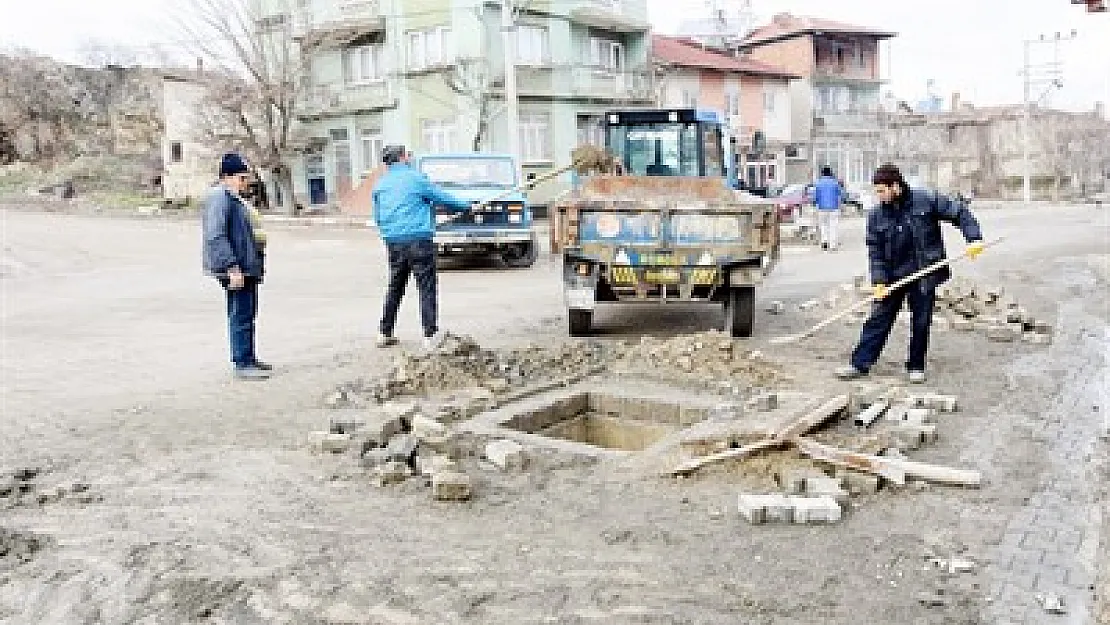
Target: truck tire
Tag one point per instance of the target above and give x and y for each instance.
(740, 311)
(581, 321)
(521, 256)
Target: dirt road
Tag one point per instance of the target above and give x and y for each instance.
(158, 490)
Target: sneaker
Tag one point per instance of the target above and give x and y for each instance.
(385, 340)
(265, 366)
(251, 373)
(916, 377)
(849, 372)
(434, 341)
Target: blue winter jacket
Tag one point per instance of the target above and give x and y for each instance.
(827, 193)
(228, 237)
(404, 205)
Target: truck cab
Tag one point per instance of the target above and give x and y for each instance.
(503, 229)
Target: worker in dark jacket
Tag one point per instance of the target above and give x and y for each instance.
(903, 236)
(233, 255)
(404, 211)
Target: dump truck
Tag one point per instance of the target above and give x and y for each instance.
(668, 227)
(502, 228)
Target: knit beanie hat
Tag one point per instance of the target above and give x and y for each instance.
(232, 164)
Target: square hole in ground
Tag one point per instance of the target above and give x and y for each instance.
(608, 421)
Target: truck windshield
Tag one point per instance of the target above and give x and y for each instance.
(657, 149)
(470, 172)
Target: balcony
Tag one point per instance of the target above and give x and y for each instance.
(846, 121)
(328, 101)
(335, 23)
(845, 72)
(608, 15)
(585, 83)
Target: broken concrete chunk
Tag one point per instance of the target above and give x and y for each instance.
(859, 483)
(423, 427)
(1052, 604)
(402, 448)
(451, 486)
(330, 442)
(372, 458)
(918, 416)
(392, 473)
(505, 454)
(428, 466)
(826, 487)
(823, 509)
(793, 481)
(759, 509)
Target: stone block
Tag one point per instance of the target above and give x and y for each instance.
(372, 458)
(402, 448)
(859, 483)
(423, 427)
(826, 487)
(451, 486)
(1037, 339)
(505, 454)
(1015, 314)
(379, 427)
(963, 325)
(432, 464)
(918, 416)
(759, 509)
(764, 402)
(1002, 333)
(349, 422)
(392, 473)
(793, 480)
(822, 509)
(906, 437)
(1042, 327)
(943, 403)
(330, 442)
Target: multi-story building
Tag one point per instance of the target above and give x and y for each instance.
(835, 104)
(752, 95)
(431, 75)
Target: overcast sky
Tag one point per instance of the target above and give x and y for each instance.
(970, 46)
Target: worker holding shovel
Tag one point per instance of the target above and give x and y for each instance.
(904, 239)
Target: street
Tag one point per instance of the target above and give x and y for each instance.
(204, 505)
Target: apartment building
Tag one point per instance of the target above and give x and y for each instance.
(431, 75)
(753, 96)
(835, 103)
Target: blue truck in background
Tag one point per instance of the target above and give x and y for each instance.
(503, 229)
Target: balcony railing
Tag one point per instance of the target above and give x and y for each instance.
(335, 100)
(324, 21)
(845, 71)
(846, 121)
(591, 83)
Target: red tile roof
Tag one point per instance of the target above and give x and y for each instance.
(688, 53)
(785, 26)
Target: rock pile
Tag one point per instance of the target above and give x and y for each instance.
(705, 357)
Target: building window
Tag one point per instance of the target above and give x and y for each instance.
(372, 145)
(177, 152)
(429, 48)
(732, 101)
(861, 56)
(689, 99)
(438, 135)
(606, 54)
(591, 130)
(769, 101)
(535, 137)
(364, 64)
(531, 45)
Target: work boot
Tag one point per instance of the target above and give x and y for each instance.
(916, 376)
(849, 372)
(251, 372)
(385, 340)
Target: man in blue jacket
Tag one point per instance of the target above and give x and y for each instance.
(827, 195)
(903, 236)
(233, 254)
(404, 210)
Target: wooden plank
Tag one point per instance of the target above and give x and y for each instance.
(690, 466)
(893, 469)
(814, 419)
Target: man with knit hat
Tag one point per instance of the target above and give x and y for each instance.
(404, 210)
(233, 254)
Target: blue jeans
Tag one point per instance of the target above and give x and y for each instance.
(418, 259)
(242, 310)
(884, 312)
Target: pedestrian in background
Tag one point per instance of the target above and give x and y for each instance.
(405, 202)
(903, 237)
(828, 196)
(233, 254)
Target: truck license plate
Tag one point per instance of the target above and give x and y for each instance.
(661, 276)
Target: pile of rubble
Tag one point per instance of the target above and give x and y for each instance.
(24, 487)
(699, 358)
(461, 363)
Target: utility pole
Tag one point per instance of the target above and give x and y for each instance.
(512, 112)
(1050, 73)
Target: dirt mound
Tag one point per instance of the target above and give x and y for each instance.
(707, 358)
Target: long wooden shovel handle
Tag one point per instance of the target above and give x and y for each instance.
(529, 185)
(896, 285)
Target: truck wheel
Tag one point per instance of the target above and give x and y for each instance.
(740, 311)
(521, 256)
(580, 321)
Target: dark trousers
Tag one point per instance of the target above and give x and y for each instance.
(242, 310)
(416, 258)
(883, 315)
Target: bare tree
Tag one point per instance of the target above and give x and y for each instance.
(97, 53)
(474, 79)
(254, 74)
(39, 107)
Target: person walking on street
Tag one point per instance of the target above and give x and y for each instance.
(233, 253)
(828, 196)
(404, 211)
(904, 236)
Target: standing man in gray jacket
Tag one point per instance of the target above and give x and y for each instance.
(233, 255)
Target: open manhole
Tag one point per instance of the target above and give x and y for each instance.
(608, 421)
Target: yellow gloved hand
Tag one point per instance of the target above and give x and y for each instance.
(880, 291)
(974, 249)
